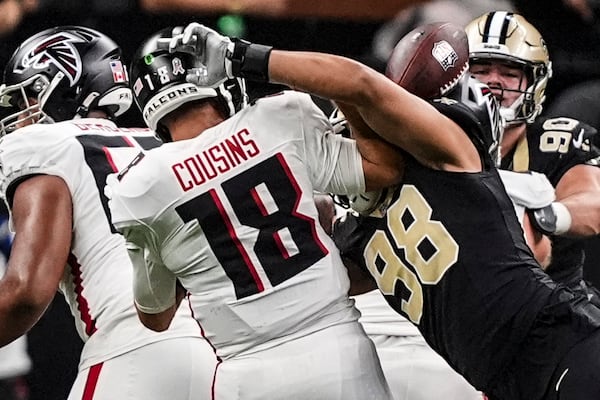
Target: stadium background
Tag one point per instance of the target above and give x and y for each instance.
(53, 344)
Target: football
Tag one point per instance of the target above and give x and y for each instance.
(429, 60)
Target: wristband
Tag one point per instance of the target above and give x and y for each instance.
(250, 61)
(563, 218)
(554, 219)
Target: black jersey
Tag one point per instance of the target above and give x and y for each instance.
(552, 146)
(449, 254)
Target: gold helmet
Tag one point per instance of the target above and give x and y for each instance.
(508, 37)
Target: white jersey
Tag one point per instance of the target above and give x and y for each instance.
(231, 215)
(378, 318)
(97, 280)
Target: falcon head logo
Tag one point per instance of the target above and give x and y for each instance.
(58, 50)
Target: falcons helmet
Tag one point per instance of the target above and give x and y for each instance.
(478, 98)
(62, 73)
(159, 82)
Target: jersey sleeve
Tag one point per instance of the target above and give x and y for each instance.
(334, 161)
(133, 193)
(34, 150)
(134, 204)
(153, 283)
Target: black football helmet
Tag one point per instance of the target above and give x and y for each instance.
(159, 82)
(478, 97)
(62, 73)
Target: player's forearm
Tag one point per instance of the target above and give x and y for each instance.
(26, 290)
(18, 313)
(387, 109)
(382, 163)
(326, 75)
(585, 213)
(578, 192)
(382, 105)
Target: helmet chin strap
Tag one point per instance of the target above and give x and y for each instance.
(510, 114)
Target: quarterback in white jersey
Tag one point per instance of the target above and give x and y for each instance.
(229, 214)
(52, 178)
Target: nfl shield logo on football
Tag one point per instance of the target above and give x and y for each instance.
(118, 72)
(444, 54)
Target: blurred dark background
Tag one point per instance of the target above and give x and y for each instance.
(361, 29)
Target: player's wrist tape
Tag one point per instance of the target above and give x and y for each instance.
(563, 218)
(250, 61)
(554, 219)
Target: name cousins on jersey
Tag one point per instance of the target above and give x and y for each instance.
(217, 159)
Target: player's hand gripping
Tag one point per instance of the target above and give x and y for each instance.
(223, 58)
(210, 48)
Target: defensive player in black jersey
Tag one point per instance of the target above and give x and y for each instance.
(508, 54)
(449, 253)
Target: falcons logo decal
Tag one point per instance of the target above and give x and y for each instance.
(57, 50)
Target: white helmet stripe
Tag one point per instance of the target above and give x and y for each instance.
(496, 27)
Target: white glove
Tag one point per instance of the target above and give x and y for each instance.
(531, 189)
(534, 192)
(212, 49)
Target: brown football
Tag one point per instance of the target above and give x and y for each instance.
(430, 59)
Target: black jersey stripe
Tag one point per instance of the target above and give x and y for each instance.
(486, 28)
